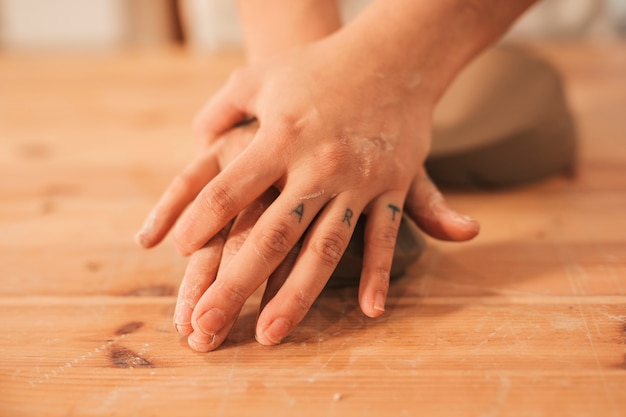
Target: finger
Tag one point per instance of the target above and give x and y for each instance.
(322, 249)
(243, 224)
(227, 108)
(241, 182)
(234, 142)
(182, 190)
(269, 242)
(231, 244)
(279, 276)
(427, 207)
(381, 232)
(201, 342)
(199, 275)
(236, 236)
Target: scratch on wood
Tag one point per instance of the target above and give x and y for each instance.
(333, 355)
(505, 387)
(576, 271)
(129, 328)
(71, 363)
(120, 357)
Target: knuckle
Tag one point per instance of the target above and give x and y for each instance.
(384, 237)
(234, 243)
(286, 132)
(233, 293)
(219, 201)
(237, 76)
(301, 303)
(334, 162)
(381, 278)
(330, 248)
(275, 241)
(290, 127)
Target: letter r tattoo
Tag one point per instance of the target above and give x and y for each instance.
(347, 216)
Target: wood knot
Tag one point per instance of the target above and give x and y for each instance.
(122, 357)
(153, 291)
(129, 328)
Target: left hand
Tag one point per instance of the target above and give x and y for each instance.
(204, 264)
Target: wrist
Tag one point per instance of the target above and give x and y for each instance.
(425, 44)
(271, 27)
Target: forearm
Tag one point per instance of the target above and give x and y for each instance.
(427, 42)
(274, 26)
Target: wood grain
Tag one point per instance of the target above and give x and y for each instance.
(527, 320)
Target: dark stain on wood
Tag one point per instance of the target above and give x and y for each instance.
(47, 207)
(153, 291)
(35, 150)
(60, 189)
(129, 328)
(122, 357)
(92, 266)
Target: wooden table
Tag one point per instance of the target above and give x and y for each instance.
(527, 320)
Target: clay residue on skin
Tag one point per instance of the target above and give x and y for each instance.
(370, 148)
(312, 195)
(414, 81)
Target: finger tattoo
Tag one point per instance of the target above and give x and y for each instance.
(299, 211)
(347, 216)
(394, 210)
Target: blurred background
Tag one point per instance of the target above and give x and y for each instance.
(212, 24)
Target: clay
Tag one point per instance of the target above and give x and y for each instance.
(409, 247)
(503, 121)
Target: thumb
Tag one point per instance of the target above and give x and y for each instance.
(427, 207)
(227, 108)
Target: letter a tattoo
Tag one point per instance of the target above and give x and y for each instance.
(347, 216)
(299, 211)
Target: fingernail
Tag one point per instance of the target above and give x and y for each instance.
(211, 322)
(142, 235)
(183, 329)
(466, 218)
(182, 318)
(199, 343)
(141, 239)
(379, 301)
(277, 331)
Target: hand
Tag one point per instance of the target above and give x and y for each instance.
(204, 264)
(303, 152)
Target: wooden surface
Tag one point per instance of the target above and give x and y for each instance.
(527, 320)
